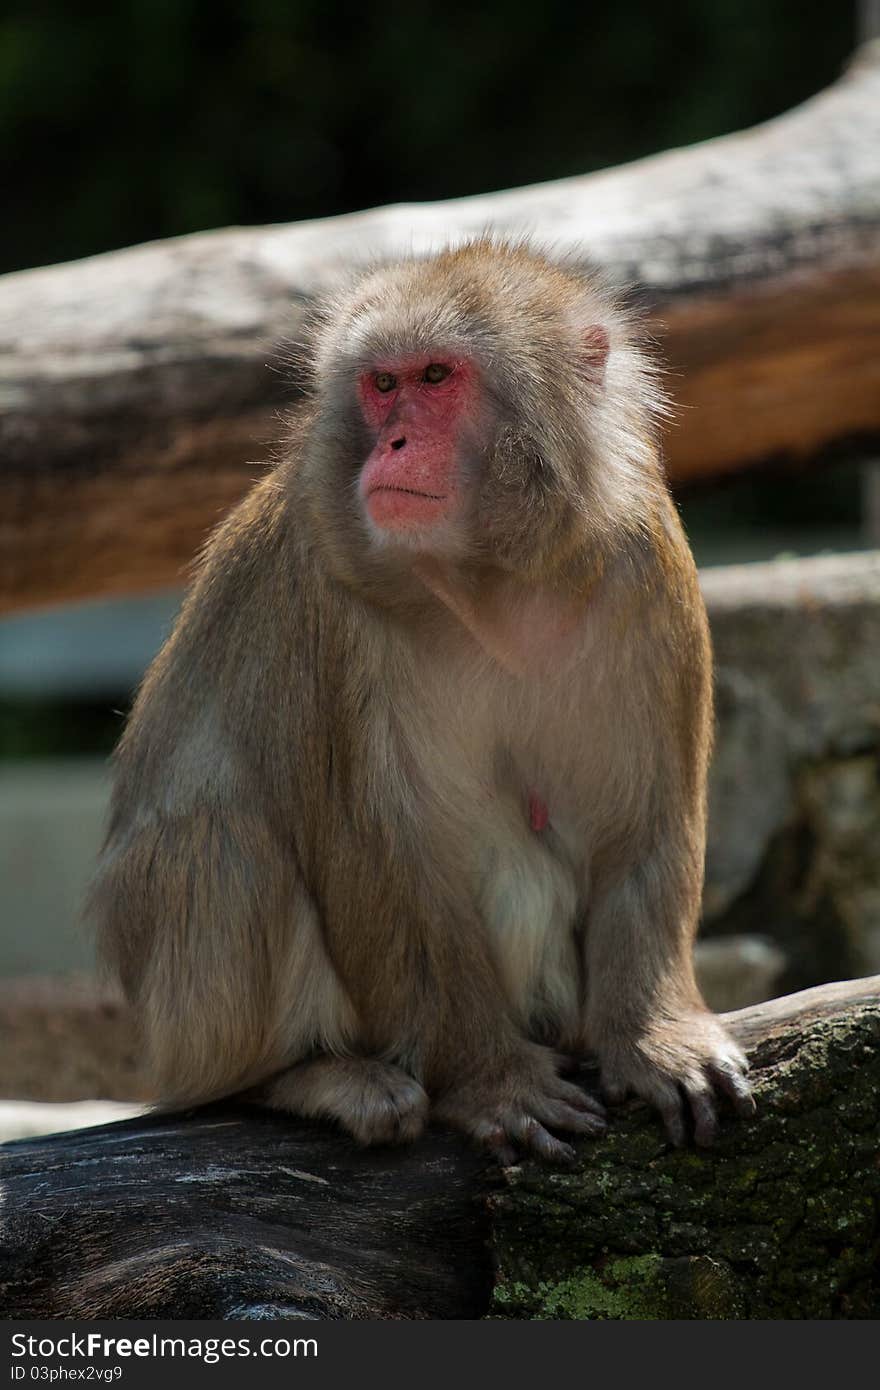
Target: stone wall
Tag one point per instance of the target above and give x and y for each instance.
(794, 822)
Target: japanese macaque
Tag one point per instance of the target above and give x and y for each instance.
(410, 808)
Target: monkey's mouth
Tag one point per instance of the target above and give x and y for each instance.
(396, 508)
(407, 491)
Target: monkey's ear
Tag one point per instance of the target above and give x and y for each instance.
(594, 351)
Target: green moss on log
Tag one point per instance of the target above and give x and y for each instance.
(778, 1220)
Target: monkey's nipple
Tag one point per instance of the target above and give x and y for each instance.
(539, 815)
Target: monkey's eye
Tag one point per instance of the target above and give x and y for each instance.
(384, 381)
(436, 372)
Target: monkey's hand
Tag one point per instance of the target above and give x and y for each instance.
(679, 1064)
(508, 1106)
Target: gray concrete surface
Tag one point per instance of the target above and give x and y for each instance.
(51, 825)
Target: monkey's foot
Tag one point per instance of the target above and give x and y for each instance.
(677, 1068)
(508, 1108)
(375, 1101)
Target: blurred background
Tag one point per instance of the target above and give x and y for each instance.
(149, 119)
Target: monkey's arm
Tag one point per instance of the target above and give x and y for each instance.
(645, 1018)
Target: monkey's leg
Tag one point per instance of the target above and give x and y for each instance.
(207, 923)
(415, 958)
(645, 1019)
(377, 1102)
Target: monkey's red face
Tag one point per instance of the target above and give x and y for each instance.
(417, 411)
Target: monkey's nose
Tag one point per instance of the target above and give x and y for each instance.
(398, 443)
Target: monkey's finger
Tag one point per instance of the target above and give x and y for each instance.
(408, 1126)
(735, 1058)
(583, 1122)
(703, 1110)
(532, 1135)
(559, 1115)
(493, 1137)
(577, 1099)
(665, 1096)
(567, 1065)
(734, 1085)
(614, 1091)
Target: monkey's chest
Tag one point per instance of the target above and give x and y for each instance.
(508, 771)
(530, 892)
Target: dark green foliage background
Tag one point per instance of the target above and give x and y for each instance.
(147, 118)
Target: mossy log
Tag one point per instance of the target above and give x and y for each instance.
(230, 1214)
(779, 1220)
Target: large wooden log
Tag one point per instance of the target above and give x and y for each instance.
(233, 1215)
(135, 391)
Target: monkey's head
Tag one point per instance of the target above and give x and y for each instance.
(483, 406)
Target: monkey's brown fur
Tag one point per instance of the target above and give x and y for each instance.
(320, 877)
